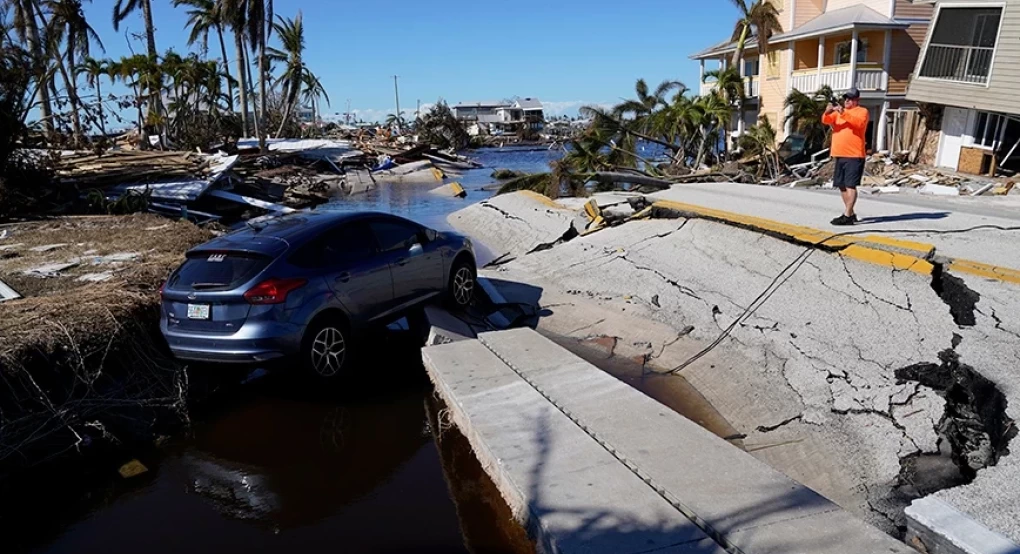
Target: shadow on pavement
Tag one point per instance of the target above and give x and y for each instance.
(914, 216)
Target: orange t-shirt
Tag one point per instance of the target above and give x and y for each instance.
(848, 129)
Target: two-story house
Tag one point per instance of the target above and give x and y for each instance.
(870, 44)
(970, 63)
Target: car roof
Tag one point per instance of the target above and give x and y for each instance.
(275, 236)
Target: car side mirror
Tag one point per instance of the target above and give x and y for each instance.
(415, 250)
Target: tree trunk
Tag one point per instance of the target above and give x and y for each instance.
(72, 92)
(251, 90)
(226, 69)
(155, 101)
(286, 115)
(242, 78)
(35, 46)
(262, 94)
(99, 98)
(738, 54)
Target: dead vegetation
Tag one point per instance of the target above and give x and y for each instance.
(80, 357)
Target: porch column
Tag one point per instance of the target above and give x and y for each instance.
(821, 61)
(883, 122)
(702, 79)
(740, 121)
(887, 58)
(853, 58)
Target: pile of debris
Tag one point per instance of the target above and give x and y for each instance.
(887, 176)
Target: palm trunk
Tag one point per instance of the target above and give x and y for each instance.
(72, 93)
(99, 99)
(35, 46)
(242, 77)
(738, 54)
(155, 102)
(262, 94)
(226, 69)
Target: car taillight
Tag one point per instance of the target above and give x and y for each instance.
(273, 291)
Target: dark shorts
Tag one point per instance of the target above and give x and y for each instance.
(849, 172)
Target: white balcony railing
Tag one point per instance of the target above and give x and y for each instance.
(869, 78)
(751, 88)
(969, 64)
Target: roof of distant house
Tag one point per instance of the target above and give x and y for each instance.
(529, 103)
(725, 47)
(483, 104)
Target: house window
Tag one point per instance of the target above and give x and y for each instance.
(962, 44)
(987, 129)
(842, 53)
(750, 68)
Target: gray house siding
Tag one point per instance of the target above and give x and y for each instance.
(1002, 91)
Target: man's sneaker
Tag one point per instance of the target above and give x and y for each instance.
(845, 220)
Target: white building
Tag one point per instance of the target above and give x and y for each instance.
(499, 118)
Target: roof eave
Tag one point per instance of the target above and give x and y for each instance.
(787, 37)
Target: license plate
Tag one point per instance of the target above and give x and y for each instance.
(198, 311)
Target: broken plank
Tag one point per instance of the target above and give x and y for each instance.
(7, 293)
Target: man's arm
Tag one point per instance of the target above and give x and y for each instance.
(855, 119)
(829, 117)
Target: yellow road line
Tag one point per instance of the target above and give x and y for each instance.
(875, 249)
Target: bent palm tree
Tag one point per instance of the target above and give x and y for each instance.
(292, 38)
(203, 17)
(121, 10)
(93, 69)
(805, 114)
(730, 85)
(762, 18)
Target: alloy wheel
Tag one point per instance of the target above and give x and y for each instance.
(463, 286)
(329, 352)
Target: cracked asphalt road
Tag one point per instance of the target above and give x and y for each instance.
(810, 377)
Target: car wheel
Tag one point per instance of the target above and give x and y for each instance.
(327, 350)
(463, 280)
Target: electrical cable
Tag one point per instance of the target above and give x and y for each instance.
(799, 261)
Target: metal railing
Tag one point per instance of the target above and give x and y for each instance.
(969, 64)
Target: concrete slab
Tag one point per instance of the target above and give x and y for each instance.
(514, 224)
(446, 327)
(942, 529)
(572, 493)
(565, 430)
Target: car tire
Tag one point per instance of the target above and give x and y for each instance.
(462, 286)
(326, 351)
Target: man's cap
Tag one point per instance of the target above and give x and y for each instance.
(853, 93)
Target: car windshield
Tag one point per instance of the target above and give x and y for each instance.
(216, 270)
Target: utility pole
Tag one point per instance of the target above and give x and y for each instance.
(348, 114)
(417, 111)
(396, 93)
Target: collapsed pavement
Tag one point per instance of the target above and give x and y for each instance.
(870, 384)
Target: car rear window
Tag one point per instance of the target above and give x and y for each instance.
(217, 271)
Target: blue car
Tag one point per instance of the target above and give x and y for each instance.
(303, 286)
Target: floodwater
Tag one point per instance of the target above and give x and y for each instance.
(280, 466)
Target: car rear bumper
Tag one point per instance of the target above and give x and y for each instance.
(267, 343)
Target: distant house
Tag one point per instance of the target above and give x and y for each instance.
(305, 114)
(970, 64)
(501, 118)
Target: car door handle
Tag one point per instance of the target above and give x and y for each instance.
(344, 277)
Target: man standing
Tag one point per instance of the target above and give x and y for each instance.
(849, 123)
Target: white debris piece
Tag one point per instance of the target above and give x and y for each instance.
(96, 277)
(51, 270)
(7, 293)
(939, 190)
(48, 247)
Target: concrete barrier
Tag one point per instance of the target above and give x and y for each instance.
(590, 464)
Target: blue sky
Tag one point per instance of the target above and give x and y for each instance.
(565, 52)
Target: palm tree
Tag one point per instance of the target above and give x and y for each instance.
(93, 69)
(645, 104)
(121, 10)
(67, 23)
(292, 39)
(395, 120)
(805, 114)
(25, 19)
(313, 90)
(730, 85)
(203, 17)
(235, 14)
(710, 113)
(760, 140)
(762, 18)
(260, 19)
